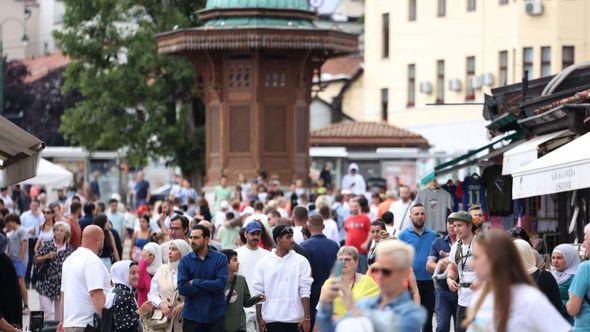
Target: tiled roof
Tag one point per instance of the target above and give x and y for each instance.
(348, 133)
(343, 65)
(41, 66)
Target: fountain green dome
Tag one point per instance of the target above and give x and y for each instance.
(274, 4)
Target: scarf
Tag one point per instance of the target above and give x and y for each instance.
(119, 275)
(184, 249)
(154, 249)
(526, 255)
(572, 260)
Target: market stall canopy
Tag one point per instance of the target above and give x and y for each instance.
(51, 175)
(565, 169)
(19, 153)
(526, 152)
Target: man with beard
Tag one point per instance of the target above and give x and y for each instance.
(421, 238)
(284, 277)
(249, 255)
(202, 276)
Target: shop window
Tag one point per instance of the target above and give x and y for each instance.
(469, 78)
(503, 68)
(440, 81)
(411, 85)
(385, 35)
(545, 61)
(412, 10)
(567, 56)
(527, 61)
(384, 104)
(471, 5)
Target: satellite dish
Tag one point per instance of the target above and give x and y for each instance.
(324, 7)
(315, 4)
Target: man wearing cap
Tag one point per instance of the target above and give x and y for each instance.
(461, 277)
(249, 255)
(284, 277)
(322, 253)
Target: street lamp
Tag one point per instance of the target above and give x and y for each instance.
(24, 39)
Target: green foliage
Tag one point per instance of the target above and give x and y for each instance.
(130, 92)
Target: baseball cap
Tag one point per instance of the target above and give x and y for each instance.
(346, 192)
(460, 216)
(253, 227)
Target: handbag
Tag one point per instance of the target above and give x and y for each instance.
(158, 320)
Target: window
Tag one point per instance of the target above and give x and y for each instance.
(384, 104)
(412, 10)
(385, 35)
(503, 68)
(503, 2)
(411, 85)
(527, 61)
(471, 5)
(442, 8)
(469, 78)
(440, 81)
(545, 61)
(567, 56)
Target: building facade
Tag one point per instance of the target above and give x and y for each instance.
(422, 52)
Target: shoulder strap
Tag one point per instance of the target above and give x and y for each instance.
(459, 252)
(231, 290)
(404, 216)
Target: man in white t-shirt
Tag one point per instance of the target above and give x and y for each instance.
(299, 219)
(249, 255)
(401, 209)
(258, 215)
(85, 283)
(461, 277)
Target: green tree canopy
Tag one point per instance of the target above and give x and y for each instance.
(132, 97)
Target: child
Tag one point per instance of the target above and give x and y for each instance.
(237, 295)
(122, 300)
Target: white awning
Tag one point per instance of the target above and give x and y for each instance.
(565, 169)
(19, 153)
(525, 153)
(50, 174)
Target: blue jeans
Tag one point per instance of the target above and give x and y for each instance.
(445, 307)
(362, 267)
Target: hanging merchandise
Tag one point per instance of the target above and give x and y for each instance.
(437, 202)
(474, 192)
(451, 188)
(498, 191)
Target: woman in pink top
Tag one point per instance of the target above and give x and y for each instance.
(151, 260)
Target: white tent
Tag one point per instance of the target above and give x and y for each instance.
(51, 175)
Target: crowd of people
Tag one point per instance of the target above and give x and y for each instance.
(255, 258)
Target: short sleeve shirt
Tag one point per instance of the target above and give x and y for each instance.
(357, 231)
(14, 241)
(441, 243)
(580, 287)
(465, 268)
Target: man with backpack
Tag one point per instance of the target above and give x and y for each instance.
(461, 277)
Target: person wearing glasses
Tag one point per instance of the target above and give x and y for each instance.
(46, 231)
(392, 309)
(360, 285)
(284, 277)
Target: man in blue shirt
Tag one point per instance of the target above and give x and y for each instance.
(445, 305)
(202, 276)
(322, 255)
(421, 238)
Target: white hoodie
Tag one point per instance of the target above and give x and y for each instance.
(284, 281)
(354, 183)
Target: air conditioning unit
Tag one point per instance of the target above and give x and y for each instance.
(487, 79)
(426, 88)
(534, 7)
(475, 82)
(455, 85)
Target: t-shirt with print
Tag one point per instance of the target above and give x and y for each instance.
(14, 241)
(580, 287)
(436, 201)
(530, 311)
(82, 273)
(464, 262)
(357, 231)
(474, 193)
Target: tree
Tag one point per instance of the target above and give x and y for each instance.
(132, 97)
(17, 97)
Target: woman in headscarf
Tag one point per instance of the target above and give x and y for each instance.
(542, 278)
(564, 262)
(51, 256)
(163, 291)
(124, 306)
(150, 262)
(10, 306)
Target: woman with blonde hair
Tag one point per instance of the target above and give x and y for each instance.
(163, 293)
(507, 299)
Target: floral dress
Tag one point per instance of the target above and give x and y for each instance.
(49, 281)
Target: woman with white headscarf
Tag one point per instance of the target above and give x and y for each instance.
(542, 278)
(124, 306)
(150, 262)
(163, 293)
(564, 262)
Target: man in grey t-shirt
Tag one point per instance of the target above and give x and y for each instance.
(18, 251)
(436, 201)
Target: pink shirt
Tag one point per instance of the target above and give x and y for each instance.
(143, 284)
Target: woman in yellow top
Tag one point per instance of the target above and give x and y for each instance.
(361, 286)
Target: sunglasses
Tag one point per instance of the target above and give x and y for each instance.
(384, 271)
(47, 212)
(345, 260)
(286, 230)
